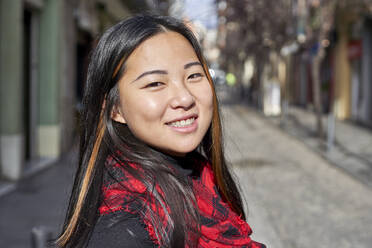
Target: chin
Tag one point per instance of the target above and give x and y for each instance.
(181, 151)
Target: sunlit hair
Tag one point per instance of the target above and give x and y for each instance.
(101, 137)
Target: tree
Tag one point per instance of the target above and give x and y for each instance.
(257, 27)
(321, 23)
(252, 29)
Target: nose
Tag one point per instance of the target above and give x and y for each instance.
(182, 97)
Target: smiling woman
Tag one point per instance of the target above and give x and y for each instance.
(152, 172)
(176, 100)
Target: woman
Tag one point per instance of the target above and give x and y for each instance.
(152, 172)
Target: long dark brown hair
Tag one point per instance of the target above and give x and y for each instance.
(101, 136)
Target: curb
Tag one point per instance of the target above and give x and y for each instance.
(33, 168)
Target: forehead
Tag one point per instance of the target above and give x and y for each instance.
(162, 50)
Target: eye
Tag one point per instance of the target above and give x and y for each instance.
(153, 85)
(195, 76)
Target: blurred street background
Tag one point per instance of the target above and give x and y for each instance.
(294, 78)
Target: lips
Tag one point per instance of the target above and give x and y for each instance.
(183, 118)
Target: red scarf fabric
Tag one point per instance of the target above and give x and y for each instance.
(220, 226)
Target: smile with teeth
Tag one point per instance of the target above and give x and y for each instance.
(182, 123)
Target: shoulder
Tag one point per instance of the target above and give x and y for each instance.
(120, 229)
(120, 189)
(123, 210)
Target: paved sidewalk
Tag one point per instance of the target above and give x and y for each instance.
(38, 200)
(296, 198)
(352, 149)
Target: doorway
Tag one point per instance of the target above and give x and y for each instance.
(30, 78)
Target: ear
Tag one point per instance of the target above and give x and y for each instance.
(117, 115)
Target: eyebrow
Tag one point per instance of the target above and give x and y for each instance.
(188, 65)
(150, 72)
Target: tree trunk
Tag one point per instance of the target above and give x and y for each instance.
(316, 63)
(260, 92)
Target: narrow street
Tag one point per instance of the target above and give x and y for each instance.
(295, 198)
(280, 71)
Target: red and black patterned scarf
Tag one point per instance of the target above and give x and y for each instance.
(220, 226)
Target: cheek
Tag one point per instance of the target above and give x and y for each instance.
(206, 96)
(142, 108)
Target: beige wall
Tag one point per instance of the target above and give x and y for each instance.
(342, 72)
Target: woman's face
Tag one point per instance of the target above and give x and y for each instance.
(165, 97)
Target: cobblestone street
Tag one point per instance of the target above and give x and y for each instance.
(295, 197)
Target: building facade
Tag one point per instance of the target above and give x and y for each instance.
(44, 47)
(346, 75)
